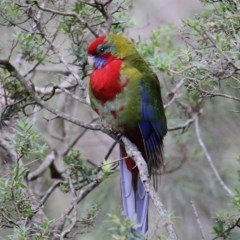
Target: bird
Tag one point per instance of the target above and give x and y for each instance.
(126, 94)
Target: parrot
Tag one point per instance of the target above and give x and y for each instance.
(126, 94)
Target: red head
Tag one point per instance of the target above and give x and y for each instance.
(100, 52)
(93, 47)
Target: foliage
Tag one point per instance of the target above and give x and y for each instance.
(15, 204)
(37, 232)
(79, 171)
(108, 167)
(214, 58)
(32, 46)
(162, 50)
(123, 229)
(27, 142)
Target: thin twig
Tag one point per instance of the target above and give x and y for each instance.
(81, 195)
(173, 94)
(113, 146)
(49, 192)
(56, 89)
(228, 230)
(62, 60)
(74, 215)
(198, 220)
(209, 159)
(227, 58)
(68, 14)
(214, 94)
(185, 125)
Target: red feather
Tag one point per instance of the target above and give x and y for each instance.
(105, 82)
(131, 165)
(93, 47)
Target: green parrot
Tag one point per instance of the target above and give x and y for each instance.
(126, 94)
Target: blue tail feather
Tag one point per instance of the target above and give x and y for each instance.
(142, 203)
(135, 200)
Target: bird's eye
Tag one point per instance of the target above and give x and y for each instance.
(102, 50)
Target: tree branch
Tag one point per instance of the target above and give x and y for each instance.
(68, 14)
(210, 161)
(42, 168)
(133, 152)
(49, 192)
(214, 94)
(185, 125)
(30, 88)
(10, 153)
(174, 93)
(59, 226)
(198, 220)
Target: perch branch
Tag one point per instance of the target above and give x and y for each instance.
(132, 151)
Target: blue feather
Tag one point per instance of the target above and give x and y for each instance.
(152, 127)
(99, 62)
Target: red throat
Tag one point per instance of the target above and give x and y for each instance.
(105, 82)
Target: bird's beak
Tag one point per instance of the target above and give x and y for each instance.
(91, 60)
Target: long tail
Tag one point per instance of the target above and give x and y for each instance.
(135, 199)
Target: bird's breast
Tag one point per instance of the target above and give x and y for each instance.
(106, 82)
(115, 94)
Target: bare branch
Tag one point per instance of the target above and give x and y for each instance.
(68, 14)
(62, 60)
(108, 16)
(39, 215)
(30, 88)
(210, 161)
(10, 153)
(49, 192)
(185, 125)
(133, 152)
(80, 196)
(198, 220)
(214, 94)
(174, 93)
(42, 168)
(56, 89)
(74, 216)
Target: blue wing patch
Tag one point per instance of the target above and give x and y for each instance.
(153, 128)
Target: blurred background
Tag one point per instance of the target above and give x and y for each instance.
(192, 185)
